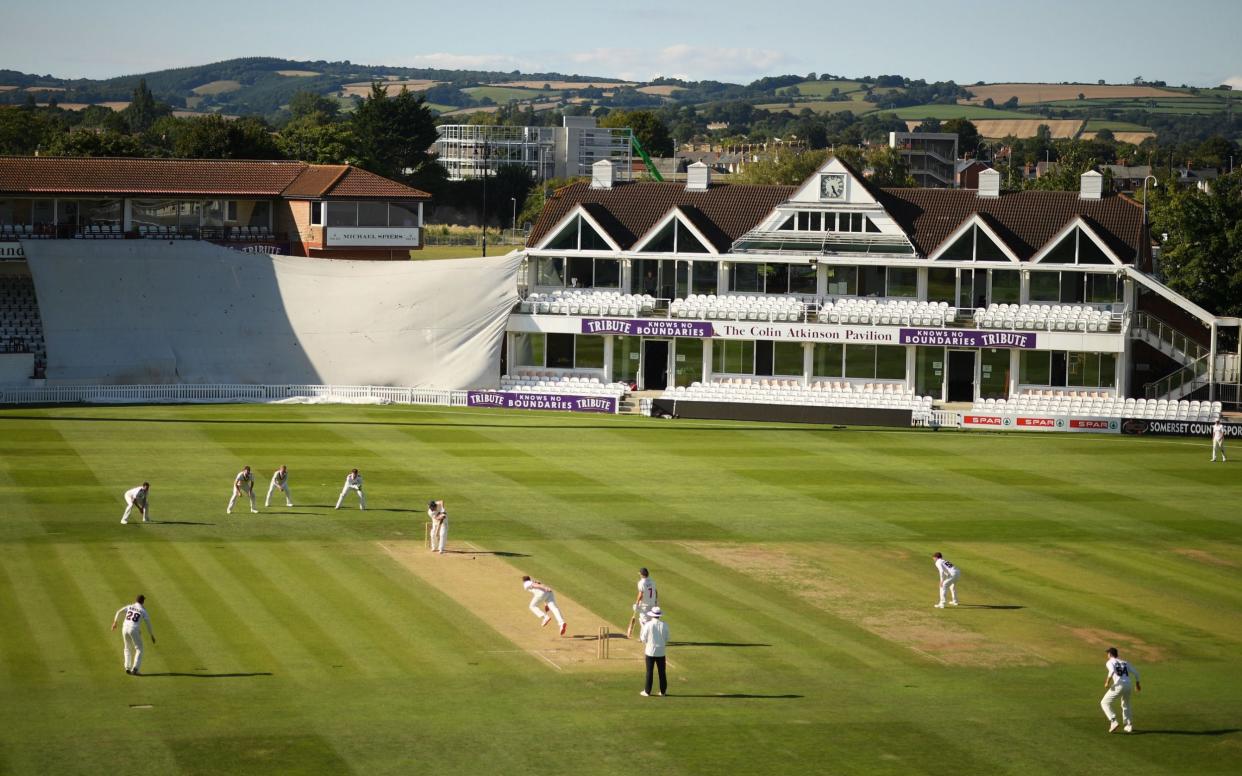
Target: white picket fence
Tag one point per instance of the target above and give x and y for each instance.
(190, 394)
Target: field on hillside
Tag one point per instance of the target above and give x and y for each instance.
(946, 112)
(792, 563)
(502, 94)
(1030, 94)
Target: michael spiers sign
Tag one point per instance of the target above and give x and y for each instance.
(513, 400)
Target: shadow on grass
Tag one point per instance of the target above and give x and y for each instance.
(497, 553)
(990, 606)
(209, 676)
(737, 696)
(1221, 732)
(713, 644)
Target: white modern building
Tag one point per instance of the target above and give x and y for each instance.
(466, 150)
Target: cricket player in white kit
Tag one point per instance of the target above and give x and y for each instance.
(439, 524)
(543, 601)
(280, 481)
(132, 617)
(949, 575)
(1120, 676)
(353, 480)
(242, 483)
(647, 599)
(137, 497)
(1218, 441)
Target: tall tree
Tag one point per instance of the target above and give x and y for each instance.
(967, 134)
(393, 135)
(647, 127)
(1202, 255)
(215, 137)
(314, 108)
(143, 110)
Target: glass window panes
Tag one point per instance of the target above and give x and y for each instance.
(67, 212)
(827, 359)
(14, 211)
(941, 284)
(372, 214)
(213, 213)
(1006, 286)
(705, 277)
(550, 271)
(1034, 367)
(860, 361)
(745, 277)
(402, 214)
(254, 213)
(687, 361)
(528, 349)
(43, 212)
(776, 278)
(1064, 251)
(763, 357)
(1045, 287)
(153, 212)
(903, 282)
(342, 213)
(589, 351)
(1089, 252)
(607, 273)
(1103, 289)
(871, 281)
(929, 371)
(986, 249)
(591, 239)
(962, 249)
(843, 281)
(686, 241)
(662, 241)
(733, 356)
(567, 238)
(580, 272)
(1108, 370)
(99, 211)
(802, 279)
(993, 373)
(1073, 287)
(560, 349)
(890, 362)
(787, 358)
(625, 358)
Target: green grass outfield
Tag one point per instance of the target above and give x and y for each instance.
(792, 562)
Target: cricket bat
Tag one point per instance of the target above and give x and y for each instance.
(630, 628)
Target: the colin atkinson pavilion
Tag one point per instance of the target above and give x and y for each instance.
(838, 293)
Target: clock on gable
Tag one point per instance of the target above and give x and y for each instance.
(832, 185)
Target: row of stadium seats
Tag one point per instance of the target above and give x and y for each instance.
(162, 232)
(24, 232)
(571, 385)
(101, 232)
(21, 327)
(820, 393)
(1110, 407)
(738, 308)
(1049, 317)
(881, 312)
(575, 302)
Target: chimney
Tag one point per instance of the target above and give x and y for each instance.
(989, 184)
(603, 176)
(1092, 186)
(698, 177)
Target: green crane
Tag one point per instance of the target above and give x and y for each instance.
(638, 149)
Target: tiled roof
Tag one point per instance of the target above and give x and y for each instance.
(634, 207)
(104, 176)
(1025, 220)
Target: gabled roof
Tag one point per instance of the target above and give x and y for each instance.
(728, 210)
(108, 176)
(1025, 220)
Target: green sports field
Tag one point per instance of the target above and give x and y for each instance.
(792, 563)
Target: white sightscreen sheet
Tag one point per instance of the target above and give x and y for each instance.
(146, 311)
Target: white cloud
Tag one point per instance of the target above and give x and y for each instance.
(1234, 80)
(682, 61)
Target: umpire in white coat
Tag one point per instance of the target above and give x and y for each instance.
(654, 636)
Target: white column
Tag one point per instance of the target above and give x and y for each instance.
(608, 349)
(808, 362)
(1015, 362)
(707, 361)
(912, 360)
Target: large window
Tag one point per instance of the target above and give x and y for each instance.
(1068, 369)
(827, 360)
(993, 373)
(687, 364)
(528, 349)
(368, 213)
(1045, 287)
(770, 278)
(1006, 286)
(733, 357)
(929, 372)
(842, 281)
(560, 351)
(705, 277)
(588, 351)
(942, 284)
(903, 282)
(861, 362)
(626, 354)
(577, 272)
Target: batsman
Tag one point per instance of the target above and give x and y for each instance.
(647, 600)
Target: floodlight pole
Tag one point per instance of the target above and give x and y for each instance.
(1155, 183)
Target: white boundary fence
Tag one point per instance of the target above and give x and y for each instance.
(190, 394)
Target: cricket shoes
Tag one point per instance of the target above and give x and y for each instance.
(254, 511)
(564, 625)
(1128, 728)
(953, 603)
(939, 606)
(546, 619)
(645, 694)
(1112, 728)
(128, 671)
(124, 522)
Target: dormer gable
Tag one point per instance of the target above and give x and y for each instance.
(674, 233)
(1076, 243)
(578, 230)
(974, 240)
(835, 183)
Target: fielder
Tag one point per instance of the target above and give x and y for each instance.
(131, 633)
(353, 480)
(242, 483)
(542, 601)
(1120, 673)
(137, 497)
(949, 575)
(280, 481)
(439, 525)
(1218, 440)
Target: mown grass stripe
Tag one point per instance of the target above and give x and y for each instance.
(23, 653)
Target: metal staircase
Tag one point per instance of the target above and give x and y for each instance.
(1193, 357)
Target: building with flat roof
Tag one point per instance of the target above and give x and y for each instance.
(328, 211)
(931, 156)
(467, 150)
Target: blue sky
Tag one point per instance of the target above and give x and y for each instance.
(1178, 41)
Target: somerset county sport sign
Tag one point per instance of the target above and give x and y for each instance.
(1149, 427)
(541, 401)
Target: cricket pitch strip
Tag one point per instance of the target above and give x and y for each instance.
(492, 590)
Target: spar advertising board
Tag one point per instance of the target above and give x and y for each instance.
(1073, 425)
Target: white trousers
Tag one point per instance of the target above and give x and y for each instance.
(362, 497)
(949, 584)
(233, 500)
(542, 599)
(129, 507)
(1118, 690)
(642, 611)
(284, 488)
(1218, 447)
(133, 645)
(439, 534)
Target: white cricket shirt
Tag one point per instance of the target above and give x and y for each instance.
(133, 615)
(647, 591)
(1120, 671)
(136, 495)
(946, 568)
(243, 479)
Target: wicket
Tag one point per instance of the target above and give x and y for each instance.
(427, 535)
(601, 643)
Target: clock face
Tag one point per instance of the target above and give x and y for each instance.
(832, 186)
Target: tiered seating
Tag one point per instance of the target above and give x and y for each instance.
(737, 307)
(1050, 317)
(162, 232)
(588, 302)
(821, 393)
(249, 233)
(23, 232)
(890, 312)
(547, 381)
(1097, 404)
(21, 328)
(101, 232)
